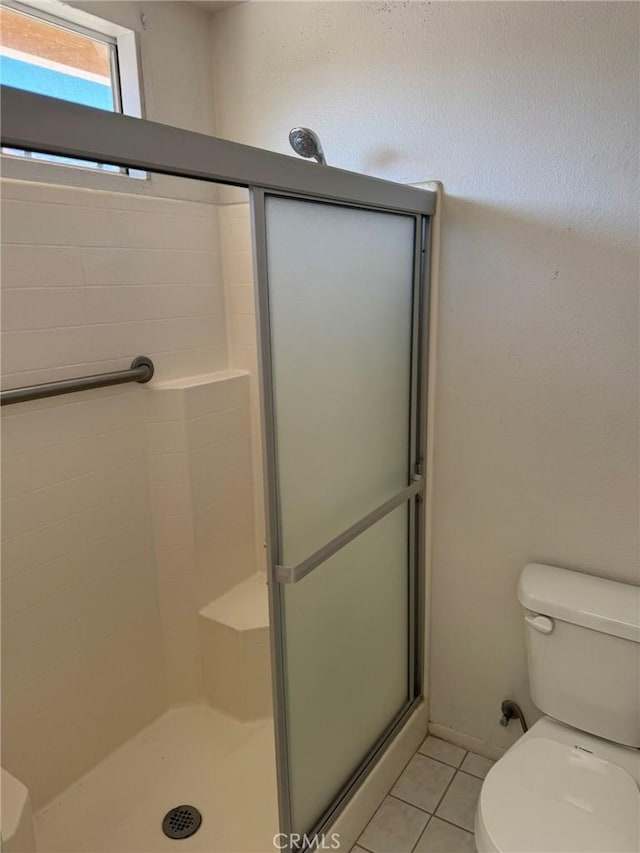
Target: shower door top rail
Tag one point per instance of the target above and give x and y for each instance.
(141, 370)
(33, 122)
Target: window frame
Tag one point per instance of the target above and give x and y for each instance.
(126, 80)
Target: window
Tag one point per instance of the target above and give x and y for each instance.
(64, 59)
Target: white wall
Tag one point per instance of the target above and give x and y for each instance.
(528, 112)
(175, 58)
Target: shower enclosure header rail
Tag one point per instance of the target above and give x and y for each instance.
(33, 122)
(141, 370)
(287, 574)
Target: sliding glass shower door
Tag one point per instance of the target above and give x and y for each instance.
(340, 320)
(340, 268)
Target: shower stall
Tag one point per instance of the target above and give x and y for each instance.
(213, 578)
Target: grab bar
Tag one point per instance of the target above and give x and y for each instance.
(141, 370)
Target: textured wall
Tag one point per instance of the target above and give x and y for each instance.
(528, 112)
(175, 61)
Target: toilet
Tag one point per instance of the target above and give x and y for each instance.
(572, 782)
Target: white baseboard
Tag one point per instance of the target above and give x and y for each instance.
(474, 744)
(361, 808)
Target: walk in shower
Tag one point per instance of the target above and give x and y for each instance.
(213, 580)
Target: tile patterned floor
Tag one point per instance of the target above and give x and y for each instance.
(431, 807)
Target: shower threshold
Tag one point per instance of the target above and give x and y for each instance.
(188, 755)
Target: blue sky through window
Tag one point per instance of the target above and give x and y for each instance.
(33, 76)
(57, 84)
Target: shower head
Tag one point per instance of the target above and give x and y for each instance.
(307, 144)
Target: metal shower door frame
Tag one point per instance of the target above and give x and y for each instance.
(412, 494)
(38, 123)
(48, 125)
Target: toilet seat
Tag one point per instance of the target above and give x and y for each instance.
(545, 796)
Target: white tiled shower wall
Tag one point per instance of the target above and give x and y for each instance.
(81, 649)
(199, 455)
(237, 260)
(99, 604)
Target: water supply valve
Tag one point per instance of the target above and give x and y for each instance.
(512, 711)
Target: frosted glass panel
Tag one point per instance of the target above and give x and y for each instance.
(340, 284)
(347, 662)
(340, 304)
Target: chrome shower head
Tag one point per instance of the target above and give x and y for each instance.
(307, 144)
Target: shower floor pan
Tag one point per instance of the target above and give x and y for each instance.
(188, 755)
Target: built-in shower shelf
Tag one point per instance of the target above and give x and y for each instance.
(234, 638)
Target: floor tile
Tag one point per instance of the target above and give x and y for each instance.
(477, 765)
(394, 828)
(423, 782)
(459, 803)
(441, 837)
(442, 751)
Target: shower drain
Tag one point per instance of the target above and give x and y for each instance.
(181, 822)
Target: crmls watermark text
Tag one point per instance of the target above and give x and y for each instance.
(296, 841)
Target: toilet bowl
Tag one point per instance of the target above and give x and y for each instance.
(559, 790)
(571, 784)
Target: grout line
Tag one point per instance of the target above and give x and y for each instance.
(422, 833)
(50, 524)
(443, 796)
(127, 322)
(455, 825)
(444, 793)
(78, 476)
(430, 815)
(441, 761)
(73, 288)
(127, 460)
(388, 794)
(473, 775)
(438, 804)
(413, 805)
(129, 248)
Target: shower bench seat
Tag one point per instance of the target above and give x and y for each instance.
(234, 640)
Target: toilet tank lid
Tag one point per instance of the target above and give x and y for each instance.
(602, 605)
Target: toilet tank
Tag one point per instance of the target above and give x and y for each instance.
(583, 650)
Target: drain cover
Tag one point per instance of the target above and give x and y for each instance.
(181, 822)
